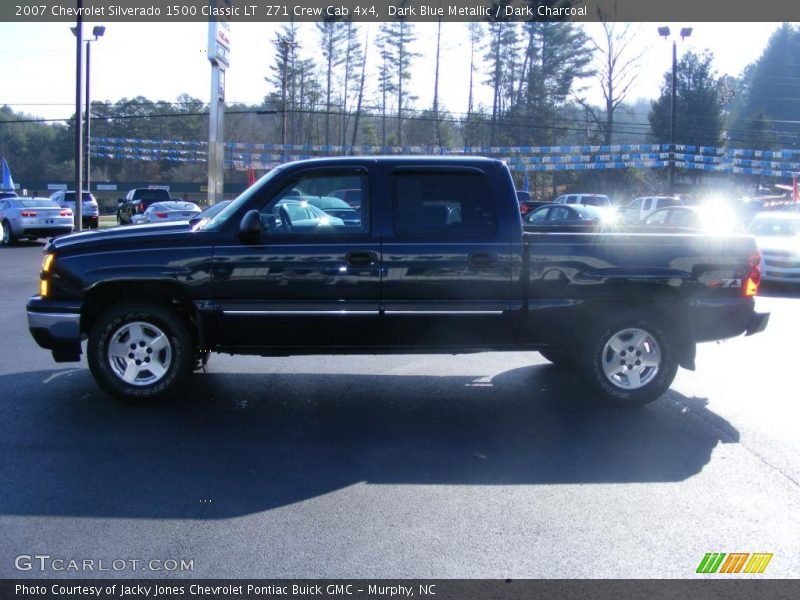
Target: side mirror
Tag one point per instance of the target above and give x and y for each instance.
(250, 227)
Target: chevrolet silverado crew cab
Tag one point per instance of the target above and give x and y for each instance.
(435, 261)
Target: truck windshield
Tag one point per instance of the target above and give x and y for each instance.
(243, 198)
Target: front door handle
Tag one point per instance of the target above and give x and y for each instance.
(482, 260)
(361, 259)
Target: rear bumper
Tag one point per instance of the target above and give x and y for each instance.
(55, 326)
(758, 323)
(91, 222)
(41, 232)
(724, 318)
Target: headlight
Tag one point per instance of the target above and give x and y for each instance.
(44, 276)
(47, 264)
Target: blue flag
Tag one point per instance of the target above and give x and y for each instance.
(8, 183)
(526, 183)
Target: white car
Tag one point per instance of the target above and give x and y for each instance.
(584, 199)
(90, 211)
(163, 212)
(778, 239)
(643, 207)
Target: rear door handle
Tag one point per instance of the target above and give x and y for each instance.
(361, 259)
(482, 260)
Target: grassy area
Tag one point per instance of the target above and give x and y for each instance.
(107, 221)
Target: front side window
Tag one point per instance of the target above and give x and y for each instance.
(307, 206)
(559, 213)
(539, 216)
(658, 218)
(441, 204)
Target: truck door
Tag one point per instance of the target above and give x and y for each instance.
(312, 279)
(446, 266)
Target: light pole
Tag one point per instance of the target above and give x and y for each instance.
(97, 32)
(78, 31)
(665, 32)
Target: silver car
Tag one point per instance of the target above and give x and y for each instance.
(163, 212)
(90, 211)
(33, 218)
(778, 239)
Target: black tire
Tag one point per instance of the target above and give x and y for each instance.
(110, 328)
(559, 357)
(7, 238)
(594, 356)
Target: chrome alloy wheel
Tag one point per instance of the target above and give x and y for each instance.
(631, 358)
(139, 353)
(6, 237)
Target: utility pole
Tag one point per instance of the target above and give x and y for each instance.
(97, 32)
(78, 120)
(285, 47)
(672, 117)
(665, 33)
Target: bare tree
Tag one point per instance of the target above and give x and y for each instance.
(617, 64)
(436, 84)
(361, 87)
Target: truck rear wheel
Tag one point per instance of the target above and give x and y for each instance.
(140, 351)
(629, 359)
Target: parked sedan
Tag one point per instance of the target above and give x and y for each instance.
(336, 207)
(778, 239)
(572, 215)
(162, 212)
(694, 219)
(33, 218)
(291, 216)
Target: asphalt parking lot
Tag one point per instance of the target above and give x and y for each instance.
(486, 465)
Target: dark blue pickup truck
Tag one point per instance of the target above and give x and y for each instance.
(435, 261)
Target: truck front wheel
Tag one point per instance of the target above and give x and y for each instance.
(629, 358)
(140, 351)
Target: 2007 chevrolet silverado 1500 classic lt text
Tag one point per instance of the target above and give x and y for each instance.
(433, 260)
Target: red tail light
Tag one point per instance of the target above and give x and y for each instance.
(28, 213)
(523, 209)
(753, 275)
(65, 213)
(141, 207)
(161, 215)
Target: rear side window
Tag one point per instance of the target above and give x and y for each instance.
(86, 197)
(595, 201)
(664, 202)
(156, 195)
(443, 204)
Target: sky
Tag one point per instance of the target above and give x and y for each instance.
(162, 60)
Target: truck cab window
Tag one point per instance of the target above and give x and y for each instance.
(443, 204)
(307, 206)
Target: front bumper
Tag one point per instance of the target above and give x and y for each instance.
(56, 326)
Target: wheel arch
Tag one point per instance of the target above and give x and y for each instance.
(664, 303)
(165, 293)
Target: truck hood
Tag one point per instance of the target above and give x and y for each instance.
(779, 244)
(121, 236)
